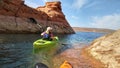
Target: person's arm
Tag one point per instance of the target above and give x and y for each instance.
(42, 33)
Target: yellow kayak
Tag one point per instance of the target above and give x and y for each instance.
(66, 64)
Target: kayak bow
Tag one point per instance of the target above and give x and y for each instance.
(43, 43)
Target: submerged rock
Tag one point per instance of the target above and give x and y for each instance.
(16, 17)
(106, 49)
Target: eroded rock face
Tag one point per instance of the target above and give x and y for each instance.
(54, 11)
(16, 17)
(107, 50)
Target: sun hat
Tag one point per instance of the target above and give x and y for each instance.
(49, 28)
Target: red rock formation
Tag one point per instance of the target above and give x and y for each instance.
(16, 17)
(54, 11)
(17, 8)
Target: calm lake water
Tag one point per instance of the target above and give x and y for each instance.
(16, 50)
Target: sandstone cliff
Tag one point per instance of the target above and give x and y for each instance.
(16, 17)
(107, 50)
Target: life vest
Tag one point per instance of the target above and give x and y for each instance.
(47, 36)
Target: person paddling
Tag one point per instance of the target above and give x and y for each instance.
(48, 35)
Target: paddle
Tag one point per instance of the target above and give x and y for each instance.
(63, 48)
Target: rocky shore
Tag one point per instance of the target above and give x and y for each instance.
(16, 17)
(106, 50)
(103, 52)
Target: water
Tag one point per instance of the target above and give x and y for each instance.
(80, 37)
(16, 50)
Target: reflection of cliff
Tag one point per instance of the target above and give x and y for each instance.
(16, 17)
(107, 50)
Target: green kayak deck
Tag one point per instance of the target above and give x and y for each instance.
(44, 43)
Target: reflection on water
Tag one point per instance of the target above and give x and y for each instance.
(16, 50)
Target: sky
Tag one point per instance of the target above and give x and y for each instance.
(87, 13)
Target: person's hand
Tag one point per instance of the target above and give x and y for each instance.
(42, 33)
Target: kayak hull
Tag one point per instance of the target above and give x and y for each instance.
(40, 43)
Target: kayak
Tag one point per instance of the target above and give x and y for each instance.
(66, 64)
(44, 43)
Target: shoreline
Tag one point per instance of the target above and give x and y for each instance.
(77, 56)
(96, 63)
(85, 29)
